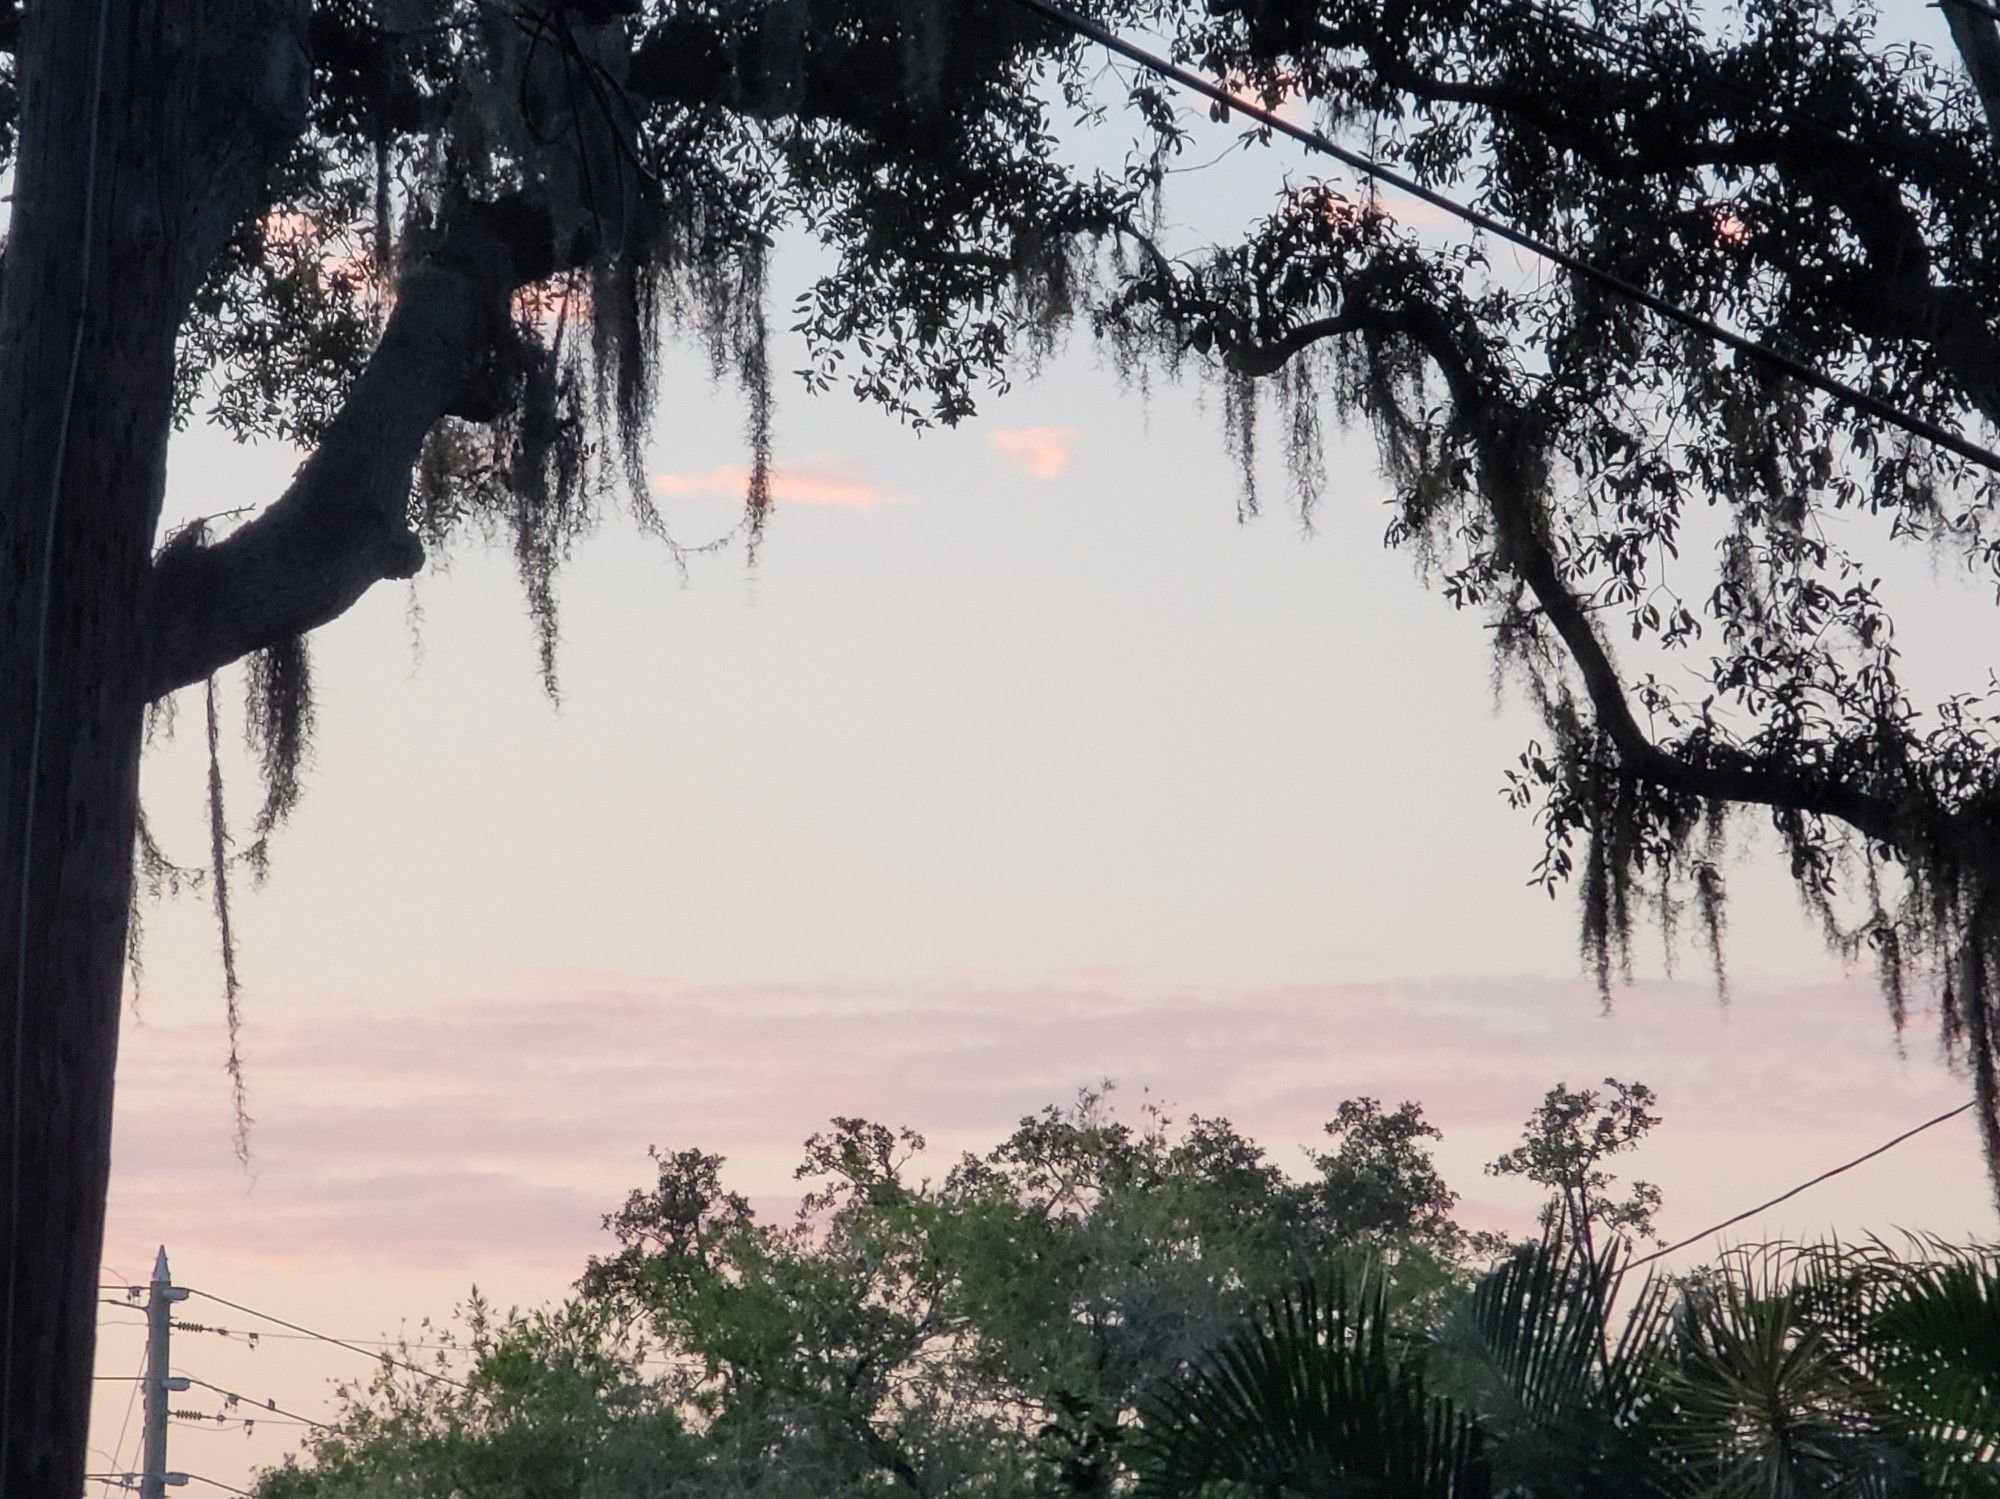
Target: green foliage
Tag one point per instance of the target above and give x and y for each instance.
(1766, 1376)
(1090, 1308)
(1014, 1306)
(1566, 1141)
(556, 1407)
(1563, 1405)
(986, 1331)
(1767, 1405)
(1938, 1353)
(1315, 1397)
(1922, 1325)
(1379, 1183)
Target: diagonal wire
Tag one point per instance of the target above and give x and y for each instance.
(118, 1447)
(257, 1405)
(1848, 395)
(216, 1483)
(337, 1342)
(1731, 1222)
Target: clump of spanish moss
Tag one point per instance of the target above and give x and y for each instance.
(1239, 427)
(277, 729)
(962, 245)
(218, 871)
(277, 724)
(1543, 453)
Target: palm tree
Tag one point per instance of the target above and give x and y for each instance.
(1319, 1395)
(1778, 1373)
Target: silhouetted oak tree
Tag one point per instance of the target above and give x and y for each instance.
(435, 242)
(1592, 478)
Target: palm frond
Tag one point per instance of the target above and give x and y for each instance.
(1315, 1397)
(1555, 1380)
(1938, 1342)
(1769, 1397)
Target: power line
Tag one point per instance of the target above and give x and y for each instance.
(268, 1405)
(216, 1483)
(313, 1337)
(1717, 1228)
(1640, 55)
(337, 1342)
(131, 1481)
(212, 1423)
(1849, 395)
(258, 1335)
(371, 1345)
(118, 1447)
(251, 1338)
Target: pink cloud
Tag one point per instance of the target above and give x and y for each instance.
(519, 1119)
(1040, 452)
(403, 1149)
(806, 484)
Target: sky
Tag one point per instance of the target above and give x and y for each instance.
(1014, 763)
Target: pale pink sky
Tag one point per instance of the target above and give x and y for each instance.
(948, 808)
(1014, 763)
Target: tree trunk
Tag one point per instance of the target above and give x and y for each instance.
(94, 286)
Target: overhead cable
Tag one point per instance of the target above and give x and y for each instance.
(1731, 1222)
(1848, 395)
(373, 1353)
(258, 1405)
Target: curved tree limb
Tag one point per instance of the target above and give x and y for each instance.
(341, 527)
(1893, 294)
(1501, 437)
(1975, 31)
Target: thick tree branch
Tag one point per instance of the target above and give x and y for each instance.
(1500, 436)
(1526, 552)
(341, 527)
(1655, 149)
(854, 72)
(688, 61)
(1257, 359)
(1894, 296)
(1975, 31)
